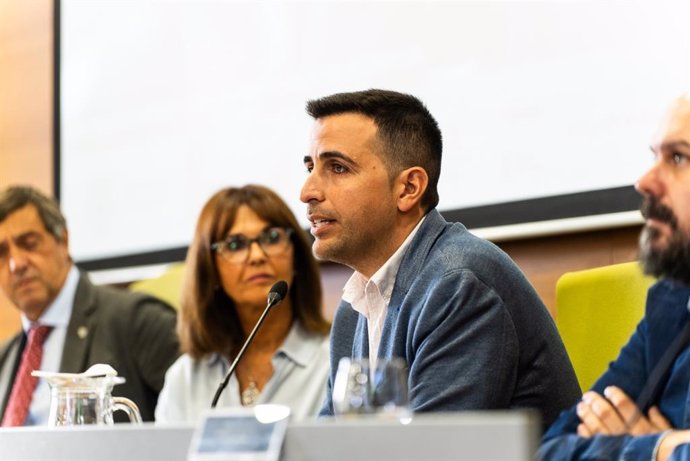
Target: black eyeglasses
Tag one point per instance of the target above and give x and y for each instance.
(235, 248)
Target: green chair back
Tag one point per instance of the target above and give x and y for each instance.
(596, 312)
(167, 286)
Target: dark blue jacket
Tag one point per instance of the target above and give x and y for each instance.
(472, 329)
(665, 316)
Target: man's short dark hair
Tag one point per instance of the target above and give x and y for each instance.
(16, 197)
(409, 133)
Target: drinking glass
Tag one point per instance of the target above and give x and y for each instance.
(360, 390)
(389, 387)
(351, 393)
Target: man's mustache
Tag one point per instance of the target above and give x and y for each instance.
(651, 208)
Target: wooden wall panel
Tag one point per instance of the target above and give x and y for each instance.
(544, 260)
(26, 92)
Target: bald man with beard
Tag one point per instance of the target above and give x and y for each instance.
(620, 418)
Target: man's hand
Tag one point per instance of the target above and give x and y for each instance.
(615, 413)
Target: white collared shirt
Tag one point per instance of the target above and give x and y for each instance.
(300, 372)
(57, 315)
(371, 297)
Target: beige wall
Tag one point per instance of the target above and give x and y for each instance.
(26, 92)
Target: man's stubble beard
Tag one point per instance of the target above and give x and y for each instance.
(671, 260)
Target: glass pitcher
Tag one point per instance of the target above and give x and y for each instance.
(78, 399)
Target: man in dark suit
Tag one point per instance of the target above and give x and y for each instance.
(86, 324)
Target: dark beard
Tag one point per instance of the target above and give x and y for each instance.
(673, 261)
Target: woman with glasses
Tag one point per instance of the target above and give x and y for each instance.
(246, 239)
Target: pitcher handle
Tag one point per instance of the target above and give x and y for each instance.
(129, 407)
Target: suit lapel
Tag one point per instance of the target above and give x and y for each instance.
(9, 363)
(81, 329)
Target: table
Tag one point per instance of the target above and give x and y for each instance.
(476, 436)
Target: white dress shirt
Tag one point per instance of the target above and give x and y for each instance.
(57, 315)
(371, 297)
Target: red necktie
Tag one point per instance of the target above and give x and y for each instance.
(24, 384)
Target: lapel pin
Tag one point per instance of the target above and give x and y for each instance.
(82, 332)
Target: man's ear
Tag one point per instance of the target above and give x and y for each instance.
(411, 184)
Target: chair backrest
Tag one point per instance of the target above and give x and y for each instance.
(167, 286)
(596, 312)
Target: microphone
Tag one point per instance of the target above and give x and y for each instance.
(275, 296)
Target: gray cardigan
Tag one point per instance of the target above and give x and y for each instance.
(472, 329)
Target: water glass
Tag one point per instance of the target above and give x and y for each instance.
(358, 389)
(351, 394)
(389, 387)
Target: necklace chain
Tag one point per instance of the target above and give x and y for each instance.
(250, 395)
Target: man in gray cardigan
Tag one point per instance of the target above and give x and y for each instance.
(473, 331)
(87, 324)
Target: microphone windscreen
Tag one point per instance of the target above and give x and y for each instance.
(279, 290)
